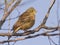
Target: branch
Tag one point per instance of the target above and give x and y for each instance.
(8, 13)
(6, 9)
(28, 37)
(24, 34)
(20, 34)
(10, 3)
(46, 17)
(50, 28)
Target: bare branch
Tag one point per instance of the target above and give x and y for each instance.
(12, 1)
(8, 13)
(52, 40)
(24, 34)
(50, 28)
(6, 9)
(46, 17)
(19, 39)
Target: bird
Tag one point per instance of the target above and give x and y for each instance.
(25, 21)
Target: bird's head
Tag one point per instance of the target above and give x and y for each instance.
(31, 10)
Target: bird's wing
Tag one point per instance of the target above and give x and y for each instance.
(16, 25)
(23, 20)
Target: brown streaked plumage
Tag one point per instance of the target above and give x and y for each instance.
(25, 21)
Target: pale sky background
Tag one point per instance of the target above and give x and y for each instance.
(42, 7)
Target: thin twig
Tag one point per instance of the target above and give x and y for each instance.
(6, 8)
(8, 13)
(10, 3)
